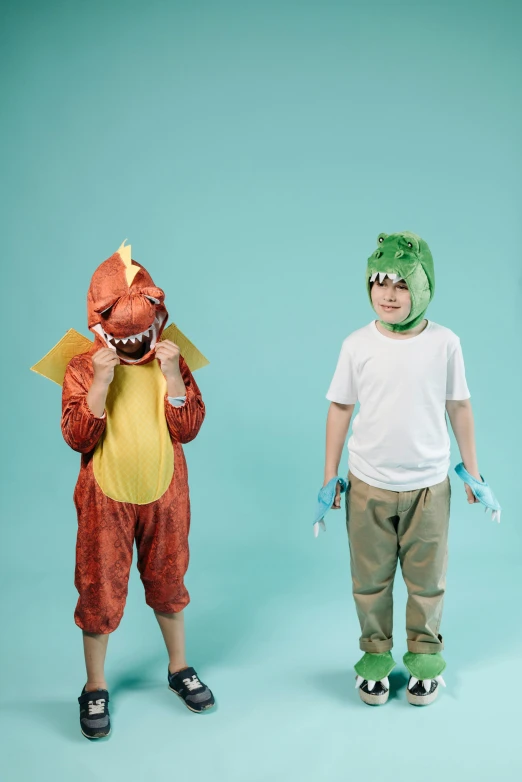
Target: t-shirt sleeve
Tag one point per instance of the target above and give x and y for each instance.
(456, 386)
(343, 388)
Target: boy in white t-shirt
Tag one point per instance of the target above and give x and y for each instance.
(405, 372)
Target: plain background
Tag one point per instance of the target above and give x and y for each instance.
(252, 152)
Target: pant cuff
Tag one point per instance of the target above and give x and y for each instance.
(96, 626)
(426, 647)
(169, 608)
(376, 647)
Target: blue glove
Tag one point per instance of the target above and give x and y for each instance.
(481, 491)
(325, 500)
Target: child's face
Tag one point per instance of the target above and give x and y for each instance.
(391, 301)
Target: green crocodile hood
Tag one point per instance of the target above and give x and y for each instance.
(404, 256)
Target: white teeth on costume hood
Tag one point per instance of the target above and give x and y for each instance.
(359, 680)
(382, 275)
(371, 685)
(150, 333)
(135, 337)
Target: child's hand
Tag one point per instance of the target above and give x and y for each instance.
(337, 499)
(471, 497)
(103, 363)
(168, 355)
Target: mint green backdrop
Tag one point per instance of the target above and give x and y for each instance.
(252, 152)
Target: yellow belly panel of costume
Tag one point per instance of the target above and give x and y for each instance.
(134, 459)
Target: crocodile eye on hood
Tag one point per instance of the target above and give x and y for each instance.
(123, 304)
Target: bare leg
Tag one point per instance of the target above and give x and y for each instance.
(95, 649)
(173, 629)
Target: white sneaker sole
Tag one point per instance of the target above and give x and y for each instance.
(374, 700)
(101, 736)
(195, 711)
(422, 700)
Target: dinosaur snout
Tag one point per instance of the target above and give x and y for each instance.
(131, 314)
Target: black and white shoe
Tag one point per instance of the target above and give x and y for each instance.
(373, 693)
(422, 692)
(95, 722)
(187, 685)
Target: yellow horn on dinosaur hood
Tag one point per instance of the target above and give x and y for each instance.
(124, 251)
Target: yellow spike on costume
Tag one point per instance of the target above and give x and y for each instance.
(124, 251)
(54, 363)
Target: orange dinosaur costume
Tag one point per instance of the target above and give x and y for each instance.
(133, 477)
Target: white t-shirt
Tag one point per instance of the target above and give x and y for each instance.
(400, 437)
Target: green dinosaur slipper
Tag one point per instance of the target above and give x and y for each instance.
(425, 677)
(372, 680)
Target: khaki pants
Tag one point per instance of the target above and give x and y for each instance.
(407, 526)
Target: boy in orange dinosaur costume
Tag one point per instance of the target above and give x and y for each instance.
(128, 405)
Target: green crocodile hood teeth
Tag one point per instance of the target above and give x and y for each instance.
(404, 256)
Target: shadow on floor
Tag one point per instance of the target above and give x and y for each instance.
(339, 685)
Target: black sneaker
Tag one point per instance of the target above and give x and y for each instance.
(423, 692)
(186, 684)
(95, 721)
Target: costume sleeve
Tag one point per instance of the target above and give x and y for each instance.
(177, 401)
(343, 388)
(456, 386)
(81, 429)
(185, 422)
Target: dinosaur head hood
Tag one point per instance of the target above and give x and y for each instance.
(124, 304)
(404, 256)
